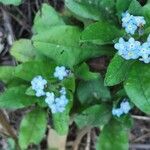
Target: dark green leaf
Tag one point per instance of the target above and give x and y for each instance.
(101, 33)
(117, 70)
(94, 116)
(114, 136)
(137, 86)
(32, 128)
(15, 97)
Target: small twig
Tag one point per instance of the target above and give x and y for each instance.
(141, 137)
(80, 135)
(141, 117)
(140, 146)
(88, 141)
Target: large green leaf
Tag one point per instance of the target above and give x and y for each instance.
(114, 136)
(101, 33)
(23, 50)
(95, 115)
(8, 2)
(61, 43)
(29, 70)
(95, 10)
(137, 86)
(32, 128)
(146, 13)
(46, 18)
(117, 70)
(15, 97)
(91, 90)
(61, 120)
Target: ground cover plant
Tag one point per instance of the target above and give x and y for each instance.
(52, 79)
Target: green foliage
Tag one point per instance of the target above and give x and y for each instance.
(13, 2)
(95, 115)
(117, 70)
(32, 128)
(137, 86)
(113, 136)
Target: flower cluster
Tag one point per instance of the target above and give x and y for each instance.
(123, 109)
(38, 85)
(132, 49)
(57, 104)
(132, 23)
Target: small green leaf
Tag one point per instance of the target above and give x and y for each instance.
(45, 18)
(83, 72)
(23, 50)
(6, 73)
(101, 33)
(91, 90)
(137, 86)
(95, 115)
(61, 120)
(13, 2)
(27, 71)
(117, 70)
(114, 136)
(32, 128)
(30, 91)
(14, 98)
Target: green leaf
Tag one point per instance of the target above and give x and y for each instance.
(14, 98)
(30, 91)
(137, 86)
(32, 128)
(45, 18)
(27, 71)
(61, 120)
(6, 73)
(135, 8)
(61, 43)
(114, 136)
(95, 115)
(117, 70)
(87, 91)
(146, 13)
(23, 50)
(122, 6)
(83, 72)
(101, 33)
(95, 10)
(13, 2)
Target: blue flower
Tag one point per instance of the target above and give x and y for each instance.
(38, 84)
(50, 98)
(131, 28)
(125, 107)
(60, 72)
(128, 50)
(63, 91)
(139, 21)
(117, 112)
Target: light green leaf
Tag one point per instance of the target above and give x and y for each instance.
(61, 120)
(137, 86)
(13, 2)
(32, 128)
(7, 73)
(95, 115)
(82, 72)
(146, 13)
(101, 33)
(114, 136)
(117, 70)
(14, 98)
(30, 91)
(91, 90)
(61, 43)
(27, 71)
(23, 50)
(45, 18)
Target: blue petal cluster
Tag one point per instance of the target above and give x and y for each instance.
(61, 72)
(123, 109)
(38, 85)
(132, 23)
(57, 104)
